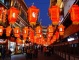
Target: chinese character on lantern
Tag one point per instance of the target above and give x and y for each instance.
(54, 14)
(12, 15)
(32, 14)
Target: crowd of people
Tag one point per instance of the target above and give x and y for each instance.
(5, 53)
(33, 52)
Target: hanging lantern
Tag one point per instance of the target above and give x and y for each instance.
(17, 32)
(31, 35)
(8, 31)
(19, 41)
(48, 42)
(1, 13)
(57, 34)
(54, 14)
(12, 15)
(25, 32)
(61, 29)
(53, 39)
(38, 30)
(33, 14)
(1, 30)
(50, 31)
(74, 13)
(4, 15)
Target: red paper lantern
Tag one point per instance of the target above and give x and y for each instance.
(54, 14)
(19, 41)
(50, 31)
(12, 15)
(8, 31)
(31, 35)
(17, 32)
(61, 29)
(1, 13)
(33, 14)
(4, 15)
(57, 34)
(1, 30)
(74, 13)
(38, 30)
(25, 32)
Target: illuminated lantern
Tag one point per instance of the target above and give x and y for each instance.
(48, 42)
(61, 29)
(57, 34)
(53, 39)
(25, 32)
(1, 11)
(31, 35)
(12, 15)
(1, 30)
(38, 30)
(74, 13)
(4, 15)
(32, 14)
(54, 14)
(8, 31)
(50, 31)
(17, 32)
(19, 41)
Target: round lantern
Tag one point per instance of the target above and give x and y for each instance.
(32, 14)
(54, 14)
(12, 15)
(1, 30)
(17, 32)
(74, 13)
(8, 31)
(25, 32)
(61, 29)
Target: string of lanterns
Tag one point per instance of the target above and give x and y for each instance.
(36, 35)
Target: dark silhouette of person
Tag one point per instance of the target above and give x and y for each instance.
(3, 51)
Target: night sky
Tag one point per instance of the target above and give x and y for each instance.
(43, 5)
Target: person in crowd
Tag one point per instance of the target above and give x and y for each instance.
(9, 53)
(3, 51)
(44, 50)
